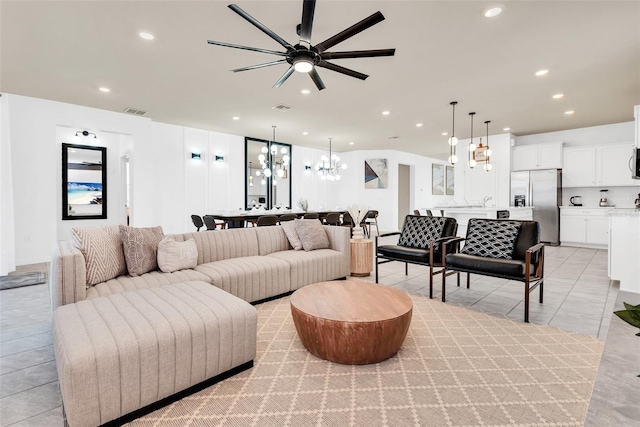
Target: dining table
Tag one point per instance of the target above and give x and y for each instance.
(240, 218)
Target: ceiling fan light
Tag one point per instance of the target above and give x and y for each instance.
(303, 65)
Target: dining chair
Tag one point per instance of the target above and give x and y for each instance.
(429, 213)
(311, 216)
(288, 217)
(197, 221)
(416, 212)
(212, 224)
(332, 218)
(370, 219)
(267, 220)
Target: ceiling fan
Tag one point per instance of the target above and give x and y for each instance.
(304, 57)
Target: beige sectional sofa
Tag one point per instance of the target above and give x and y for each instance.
(250, 263)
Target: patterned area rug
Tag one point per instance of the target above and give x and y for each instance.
(18, 280)
(457, 367)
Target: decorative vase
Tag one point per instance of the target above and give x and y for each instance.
(358, 233)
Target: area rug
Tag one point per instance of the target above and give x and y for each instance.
(18, 280)
(457, 367)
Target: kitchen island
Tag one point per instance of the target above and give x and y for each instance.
(624, 248)
(463, 214)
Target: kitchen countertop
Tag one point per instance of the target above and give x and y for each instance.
(480, 208)
(632, 212)
(588, 207)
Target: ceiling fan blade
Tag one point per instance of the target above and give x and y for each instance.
(350, 32)
(260, 26)
(358, 54)
(284, 77)
(253, 67)
(308, 9)
(255, 49)
(343, 70)
(316, 79)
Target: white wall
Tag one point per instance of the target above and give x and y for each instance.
(7, 225)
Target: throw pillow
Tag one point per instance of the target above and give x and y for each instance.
(174, 256)
(312, 234)
(419, 231)
(102, 251)
(140, 248)
(492, 239)
(289, 228)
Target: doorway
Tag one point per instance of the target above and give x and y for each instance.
(404, 193)
(126, 187)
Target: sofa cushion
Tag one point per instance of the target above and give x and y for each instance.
(314, 266)
(489, 266)
(291, 231)
(102, 251)
(419, 231)
(251, 278)
(141, 248)
(312, 234)
(148, 280)
(271, 239)
(174, 256)
(223, 244)
(491, 238)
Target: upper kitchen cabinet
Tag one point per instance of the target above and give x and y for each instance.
(603, 166)
(537, 156)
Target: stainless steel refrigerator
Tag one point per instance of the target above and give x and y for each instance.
(542, 190)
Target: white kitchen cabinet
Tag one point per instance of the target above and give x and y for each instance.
(584, 227)
(602, 166)
(537, 156)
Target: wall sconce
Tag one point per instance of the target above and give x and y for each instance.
(219, 158)
(196, 156)
(307, 167)
(84, 133)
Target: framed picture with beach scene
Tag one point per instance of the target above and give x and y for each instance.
(84, 182)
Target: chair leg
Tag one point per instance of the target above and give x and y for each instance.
(406, 268)
(430, 282)
(526, 302)
(458, 278)
(444, 284)
(541, 289)
(468, 279)
(376, 269)
(377, 229)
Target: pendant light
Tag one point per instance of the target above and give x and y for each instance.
(487, 165)
(471, 147)
(453, 141)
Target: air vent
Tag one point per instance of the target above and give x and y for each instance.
(281, 107)
(394, 137)
(134, 111)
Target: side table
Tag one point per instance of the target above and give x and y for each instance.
(361, 257)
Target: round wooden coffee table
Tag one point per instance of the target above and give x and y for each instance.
(351, 322)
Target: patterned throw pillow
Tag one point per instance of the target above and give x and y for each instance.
(492, 239)
(289, 228)
(174, 256)
(312, 234)
(141, 248)
(419, 231)
(102, 250)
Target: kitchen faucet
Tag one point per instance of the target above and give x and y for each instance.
(485, 199)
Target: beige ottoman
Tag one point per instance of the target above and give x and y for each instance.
(119, 353)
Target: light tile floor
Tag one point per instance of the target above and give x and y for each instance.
(578, 298)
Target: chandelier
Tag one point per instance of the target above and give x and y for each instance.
(329, 167)
(274, 162)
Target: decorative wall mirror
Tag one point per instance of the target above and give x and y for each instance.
(267, 174)
(84, 182)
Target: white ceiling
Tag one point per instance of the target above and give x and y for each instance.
(446, 51)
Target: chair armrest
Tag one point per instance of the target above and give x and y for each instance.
(395, 233)
(536, 248)
(539, 248)
(339, 239)
(68, 276)
(451, 242)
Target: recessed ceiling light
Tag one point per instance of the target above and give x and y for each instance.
(418, 125)
(444, 134)
(541, 72)
(492, 11)
(146, 36)
(557, 96)
(570, 112)
(506, 129)
(386, 113)
(351, 143)
(305, 91)
(235, 118)
(104, 89)
(305, 133)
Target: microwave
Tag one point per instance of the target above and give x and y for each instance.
(635, 171)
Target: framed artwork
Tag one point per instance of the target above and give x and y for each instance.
(84, 182)
(480, 155)
(376, 174)
(450, 181)
(437, 179)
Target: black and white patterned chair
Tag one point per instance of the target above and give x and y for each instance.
(421, 242)
(502, 248)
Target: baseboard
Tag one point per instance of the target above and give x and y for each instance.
(179, 395)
